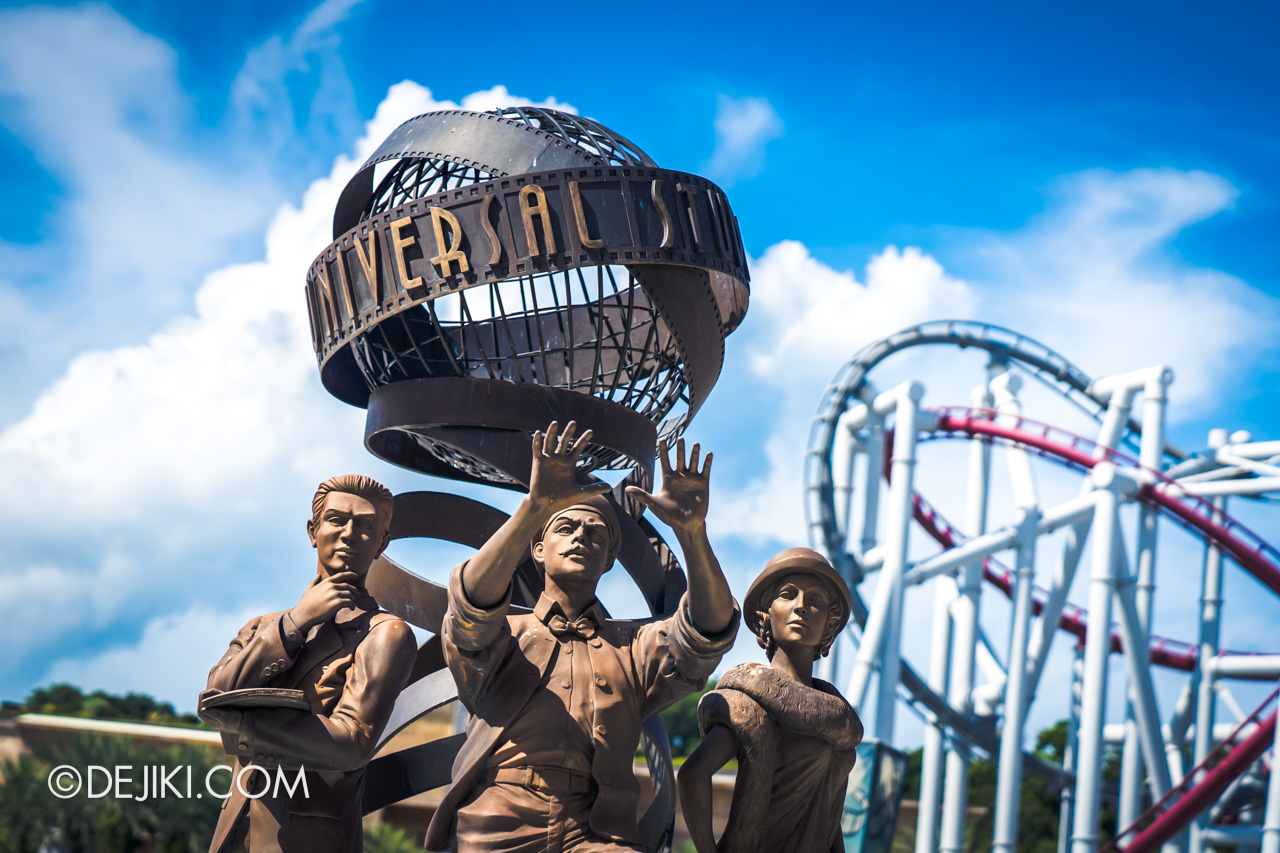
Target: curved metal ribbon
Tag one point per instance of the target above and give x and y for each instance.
(491, 421)
(492, 144)
(674, 231)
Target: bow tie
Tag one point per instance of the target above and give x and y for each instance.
(583, 626)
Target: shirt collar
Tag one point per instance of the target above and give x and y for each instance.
(548, 607)
(364, 605)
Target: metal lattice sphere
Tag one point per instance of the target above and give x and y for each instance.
(523, 246)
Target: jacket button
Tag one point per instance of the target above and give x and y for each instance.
(261, 758)
(244, 747)
(600, 682)
(595, 644)
(601, 731)
(566, 684)
(266, 673)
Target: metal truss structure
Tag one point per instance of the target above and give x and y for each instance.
(1189, 779)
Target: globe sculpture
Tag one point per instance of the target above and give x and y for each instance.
(491, 272)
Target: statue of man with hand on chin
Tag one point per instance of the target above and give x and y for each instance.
(557, 696)
(348, 659)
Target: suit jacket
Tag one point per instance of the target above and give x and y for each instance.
(498, 661)
(351, 668)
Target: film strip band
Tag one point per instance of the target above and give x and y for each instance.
(660, 224)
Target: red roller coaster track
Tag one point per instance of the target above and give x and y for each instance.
(1232, 757)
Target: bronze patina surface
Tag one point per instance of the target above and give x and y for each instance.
(794, 736)
(557, 697)
(491, 273)
(346, 659)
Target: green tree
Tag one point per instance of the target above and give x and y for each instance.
(63, 699)
(27, 809)
(1039, 807)
(69, 701)
(385, 838)
(681, 720)
(169, 824)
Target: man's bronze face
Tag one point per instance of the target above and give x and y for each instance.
(799, 612)
(575, 549)
(349, 535)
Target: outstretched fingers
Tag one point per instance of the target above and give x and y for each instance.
(594, 489)
(549, 441)
(581, 444)
(693, 458)
(640, 496)
(706, 466)
(537, 444)
(566, 440)
(664, 451)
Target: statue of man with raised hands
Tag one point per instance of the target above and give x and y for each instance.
(557, 696)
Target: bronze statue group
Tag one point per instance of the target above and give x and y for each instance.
(555, 697)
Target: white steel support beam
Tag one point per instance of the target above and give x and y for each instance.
(844, 458)
(1005, 389)
(934, 755)
(1066, 801)
(1046, 628)
(880, 637)
(1271, 813)
(1009, 775)
(1179, 722)
(964, 610)
(1146, 713)
(1210, 630)
(1155, 383)
(1088, 794)
(1213, 488)
(874, 447)
(1244, 665)
(980, 547)
(902, 468)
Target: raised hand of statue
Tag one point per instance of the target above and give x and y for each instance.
(324, 598)
(553, 484)
(682, 503)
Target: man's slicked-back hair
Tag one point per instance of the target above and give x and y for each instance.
(358, 485)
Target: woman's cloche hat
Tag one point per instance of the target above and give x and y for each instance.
(789, 562)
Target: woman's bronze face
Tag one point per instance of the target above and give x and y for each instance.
(800, 610)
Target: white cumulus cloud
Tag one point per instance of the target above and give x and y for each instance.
(144, 210)
(744, 126)
(162, 663)
(1096, 277)
(181, 469)
(805, 320)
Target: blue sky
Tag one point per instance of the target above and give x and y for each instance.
(1102, 178)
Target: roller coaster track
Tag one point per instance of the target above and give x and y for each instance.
(1194, 513)
(1168, 815)
(851, 383)
(1157, 491)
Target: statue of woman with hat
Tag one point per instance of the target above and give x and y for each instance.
(794, 736)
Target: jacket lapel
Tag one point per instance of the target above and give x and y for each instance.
(319, 648)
